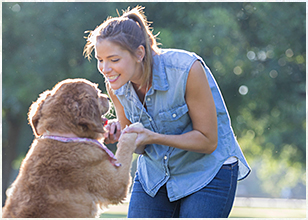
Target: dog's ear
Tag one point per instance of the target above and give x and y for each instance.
(35, 113)
(89, 116)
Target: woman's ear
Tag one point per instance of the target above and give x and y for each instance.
(140, 53)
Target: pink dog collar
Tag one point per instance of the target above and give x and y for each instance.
(112, 158)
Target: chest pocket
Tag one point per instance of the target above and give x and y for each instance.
(175, 120)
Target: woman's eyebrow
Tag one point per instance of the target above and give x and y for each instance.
(110, 56)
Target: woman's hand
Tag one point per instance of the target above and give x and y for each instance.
(113, 132)
(144, 135)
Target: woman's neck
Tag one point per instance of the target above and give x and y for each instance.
(141, 92)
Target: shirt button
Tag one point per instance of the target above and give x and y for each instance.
(150, 119)
(166, 174)
(165, 157)
(148, 99)
(174, 115)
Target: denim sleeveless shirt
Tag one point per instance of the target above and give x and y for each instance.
(183, 172)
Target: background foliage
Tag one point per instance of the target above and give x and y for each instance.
(256, 51)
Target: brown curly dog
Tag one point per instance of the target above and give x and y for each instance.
(67, 173)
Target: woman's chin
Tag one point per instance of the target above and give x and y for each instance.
(115, 86)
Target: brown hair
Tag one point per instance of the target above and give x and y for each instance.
(128, 31)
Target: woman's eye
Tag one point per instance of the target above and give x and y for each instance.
(115, 60)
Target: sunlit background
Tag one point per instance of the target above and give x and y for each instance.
(256, 51)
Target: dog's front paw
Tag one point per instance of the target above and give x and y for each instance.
(140, 149)
(128, 139)
(127, 142)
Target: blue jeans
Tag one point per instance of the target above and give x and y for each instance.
(213, 201)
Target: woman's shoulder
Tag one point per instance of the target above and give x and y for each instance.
(177, 57)
(175, 52)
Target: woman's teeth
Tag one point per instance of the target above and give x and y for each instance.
(112, 78)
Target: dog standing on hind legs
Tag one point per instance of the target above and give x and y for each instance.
(68, 172)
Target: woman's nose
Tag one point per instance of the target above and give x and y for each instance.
(104, 68)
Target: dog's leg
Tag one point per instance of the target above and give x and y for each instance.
(112, 183)
(126, 146)
(124, 155)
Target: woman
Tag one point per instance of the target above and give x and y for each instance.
(192, 161)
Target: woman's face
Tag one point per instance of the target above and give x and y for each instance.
(117, 65)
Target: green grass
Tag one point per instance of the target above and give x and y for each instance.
(111, 215)
(241, 212)
(248, 212)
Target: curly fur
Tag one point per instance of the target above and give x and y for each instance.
(69, 180)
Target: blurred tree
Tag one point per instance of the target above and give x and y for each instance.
(251, 48)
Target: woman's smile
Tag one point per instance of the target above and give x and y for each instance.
(114, 78)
